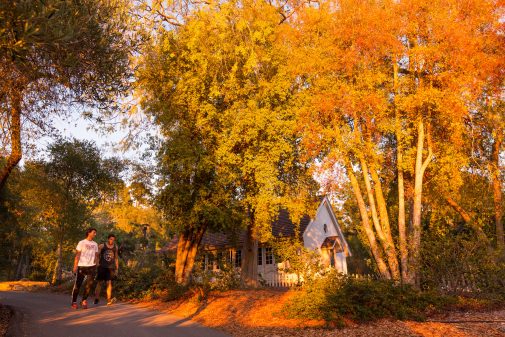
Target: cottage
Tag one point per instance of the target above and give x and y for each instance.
(321, 234)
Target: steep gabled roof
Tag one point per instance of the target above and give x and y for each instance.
(332, 242)
(281, 227)
(326, 203)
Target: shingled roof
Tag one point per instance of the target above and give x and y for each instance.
(281, 227)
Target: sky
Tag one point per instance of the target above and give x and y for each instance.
(80, 128)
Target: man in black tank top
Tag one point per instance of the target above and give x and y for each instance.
(107, 267)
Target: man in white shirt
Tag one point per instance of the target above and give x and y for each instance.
(85, 261)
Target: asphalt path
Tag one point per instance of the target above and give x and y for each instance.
(40, 314)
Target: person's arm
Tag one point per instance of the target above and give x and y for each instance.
(97, 254)
(117, 259)
(77, 257)
(76, 261)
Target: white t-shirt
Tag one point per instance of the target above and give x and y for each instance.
(88, 250)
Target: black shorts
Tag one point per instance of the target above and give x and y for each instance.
(105, 274)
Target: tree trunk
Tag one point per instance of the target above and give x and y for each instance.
(497, 192)
(384, 218)
(420, 167)
(191, 256)
(402, 230)
(183, 246)
(187, 249)
(57, 275)
(464, 214)
(249, 272)
(19, 266)
(374, 248)
(387, 242)
(467, 217)
(15, 136)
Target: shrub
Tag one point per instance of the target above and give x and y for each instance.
(463, 265)
(335, 297)
(148, 283)
(133, 283)
(205, 281)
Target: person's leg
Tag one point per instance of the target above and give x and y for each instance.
(109, 290)
(90, 280)
(77, 284)
(97, 290)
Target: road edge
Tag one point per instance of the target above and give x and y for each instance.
(16, 326)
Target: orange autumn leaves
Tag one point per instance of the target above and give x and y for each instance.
(393, 83)
(383, 89)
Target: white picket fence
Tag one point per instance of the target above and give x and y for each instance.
(282, 280)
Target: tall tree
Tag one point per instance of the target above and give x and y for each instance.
(175, 85)
(53, 52)
(388, 84)
(65, 189)
(223, 91)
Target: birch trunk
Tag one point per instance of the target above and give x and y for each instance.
(374, 248)
(402, 230)
(386, 242)
(420, 167)
(497, 192)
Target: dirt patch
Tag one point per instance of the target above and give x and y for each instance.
(257, 313)
(5, 316)
(23, 286)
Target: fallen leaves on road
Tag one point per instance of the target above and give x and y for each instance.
(23, 285)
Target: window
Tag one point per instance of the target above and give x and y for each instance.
(260, 256)
(238, 258)
(210, 261)
(325, 228)
(269, 256)
(203, 262)
(219, 260)
(229, 257)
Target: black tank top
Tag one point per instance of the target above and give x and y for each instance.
(108, 256)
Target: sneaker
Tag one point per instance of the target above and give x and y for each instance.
(95, 302)
(74, 305)
(84, 304)
(111, 301)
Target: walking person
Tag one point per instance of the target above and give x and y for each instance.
(108, 266)
(85, 267)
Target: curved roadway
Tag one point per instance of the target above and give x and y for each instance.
(49, 315)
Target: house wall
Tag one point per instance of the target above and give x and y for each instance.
(314, 236)
(267, 271)
(341, 262)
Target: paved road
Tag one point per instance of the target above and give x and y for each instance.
(50, 315)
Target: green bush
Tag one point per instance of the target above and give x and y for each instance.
(334, 297)
(148, 283)
(226, 278)
(133, 283)
(461, 264)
